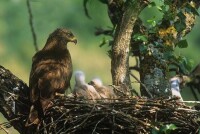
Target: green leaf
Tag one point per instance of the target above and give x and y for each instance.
(152, 22)
(192, 9)
(104, 1)
(182, 44)
(172, 127)
(143, 48)
(154, 131)
(168, 128)
(103, 42)
(159, 8)
(140, 37)
(169, 55)
(152, 4)
(165, 8)
(185, 64)
(181, 16)
(152, 30)
(188, 63)
(179, 25)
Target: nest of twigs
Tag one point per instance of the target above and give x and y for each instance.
(135, 115)
(72, 115)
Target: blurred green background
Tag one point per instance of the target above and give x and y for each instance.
(16, 43)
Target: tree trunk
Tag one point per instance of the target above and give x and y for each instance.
(121, 44)
(154, 78)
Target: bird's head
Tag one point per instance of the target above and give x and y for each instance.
(64, 34)
(79, 77)
(96, 82)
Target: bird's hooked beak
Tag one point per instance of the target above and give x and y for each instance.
(74, 40)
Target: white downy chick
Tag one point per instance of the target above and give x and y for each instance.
(175, 87)
(104, 91)
(82, 89)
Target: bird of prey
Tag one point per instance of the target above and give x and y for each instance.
(51, 72)
(82, 89)
(104, 91)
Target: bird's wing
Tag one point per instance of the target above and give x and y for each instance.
(93, 92)
(48, 77)
(81, 92)
(111, 92)
(101, 91)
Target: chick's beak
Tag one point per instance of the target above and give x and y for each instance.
(74, 40)
(91, 83)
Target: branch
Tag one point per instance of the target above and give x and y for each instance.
(14, 100)
(147, 90)
(31, 25)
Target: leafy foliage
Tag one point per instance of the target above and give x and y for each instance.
(156, 39)
(165, 129)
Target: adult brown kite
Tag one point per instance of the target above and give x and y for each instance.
(51, 72)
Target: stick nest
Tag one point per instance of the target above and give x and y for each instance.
(135, 115)
(72, 115)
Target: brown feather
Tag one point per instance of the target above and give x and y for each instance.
(51, 71)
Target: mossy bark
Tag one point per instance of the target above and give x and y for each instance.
(121, 44)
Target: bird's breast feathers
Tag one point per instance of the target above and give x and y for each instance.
(53, 71)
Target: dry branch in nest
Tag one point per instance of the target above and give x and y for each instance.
(72, 115)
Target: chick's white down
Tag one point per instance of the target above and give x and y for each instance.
(82, 89)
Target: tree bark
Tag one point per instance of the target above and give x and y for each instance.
(14, 99)
(121, 44)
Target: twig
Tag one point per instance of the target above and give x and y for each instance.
(142, 85)
(194, 102)
(118, 90)
(87, 117)
(6, 131)
(133, 118)
(85, 8)
(93, 132)
(189, 110)
(31, 25)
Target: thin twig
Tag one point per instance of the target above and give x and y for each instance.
(6, 131)
(31, 25)
(142, 85)
(194, 102)
(93, 132)
(133, 118)
(189, 110)
(82, 123)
